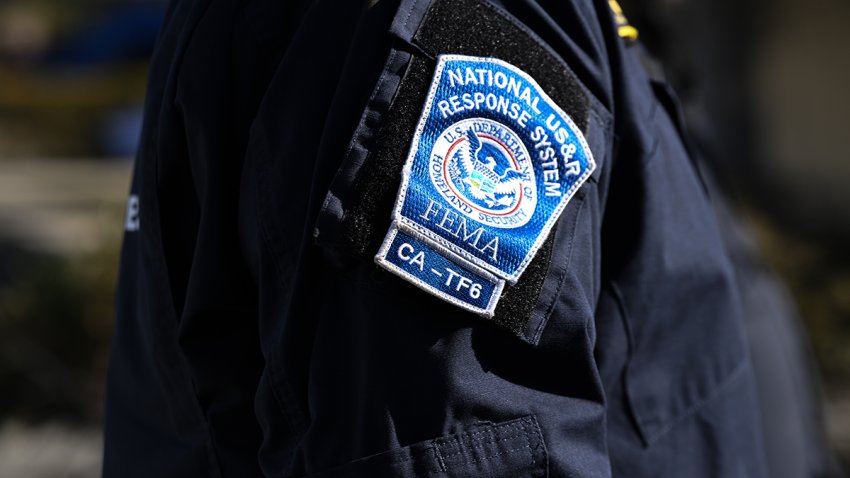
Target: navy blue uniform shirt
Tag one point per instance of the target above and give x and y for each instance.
(255, 334)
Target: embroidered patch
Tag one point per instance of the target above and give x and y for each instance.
(492, 164)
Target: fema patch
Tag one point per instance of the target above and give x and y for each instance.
(492, 164)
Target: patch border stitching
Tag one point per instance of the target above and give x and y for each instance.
(380, 259)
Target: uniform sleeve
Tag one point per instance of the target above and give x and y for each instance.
(367, 373)
(270, 323)
(185, 358)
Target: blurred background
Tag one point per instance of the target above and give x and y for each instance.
(764, 86)
(72, 82)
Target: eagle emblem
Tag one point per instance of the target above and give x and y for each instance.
(483, 171)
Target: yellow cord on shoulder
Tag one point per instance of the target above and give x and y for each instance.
(624, 29)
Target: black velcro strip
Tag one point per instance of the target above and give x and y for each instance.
(467, 27)
(367, 221)
(514, 308)
(477, 28)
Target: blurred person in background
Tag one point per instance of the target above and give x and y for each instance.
(707, 51)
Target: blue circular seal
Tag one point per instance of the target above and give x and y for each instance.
(482, 168)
